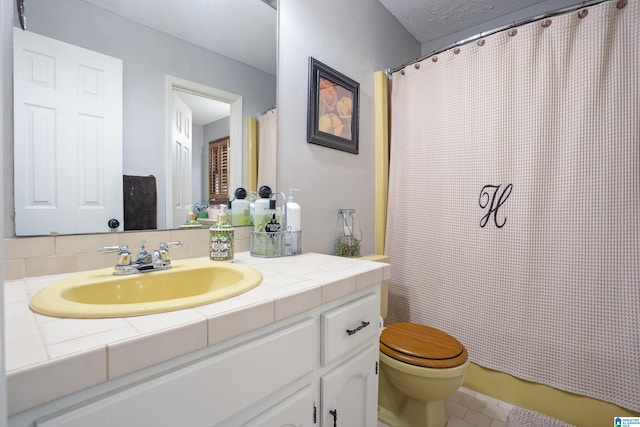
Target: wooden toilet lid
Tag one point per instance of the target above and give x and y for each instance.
(422, 346)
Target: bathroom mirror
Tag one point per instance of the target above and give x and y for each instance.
(149, 37)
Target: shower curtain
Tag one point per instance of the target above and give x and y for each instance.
(514, 200)
(267, 149)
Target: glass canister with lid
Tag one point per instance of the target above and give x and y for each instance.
(348, 234)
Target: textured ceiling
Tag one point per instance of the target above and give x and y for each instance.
(429, 20)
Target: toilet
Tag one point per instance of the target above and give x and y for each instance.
(420, 367)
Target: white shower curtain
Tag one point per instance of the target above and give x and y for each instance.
(267, 143)
(514, 205)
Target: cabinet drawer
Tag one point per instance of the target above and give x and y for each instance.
(348, 326)
(206, 392)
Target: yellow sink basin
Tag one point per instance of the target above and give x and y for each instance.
(189, 283)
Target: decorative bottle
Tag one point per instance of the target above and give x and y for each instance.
(221, 238)
(273, 228)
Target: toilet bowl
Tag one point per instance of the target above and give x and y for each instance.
(420, 366)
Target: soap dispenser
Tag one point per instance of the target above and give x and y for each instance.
(191, 218)
(221, 238)
(292, 245)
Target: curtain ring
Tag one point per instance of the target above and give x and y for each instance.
(456, 50)
(583, 13)
(402, 72)
(546, 23)
(621, 4)
(481, 42)
(417, 66)
(434, 59)
(512, 32)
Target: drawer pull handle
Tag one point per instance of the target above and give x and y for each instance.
(353, 331)
(335, 417)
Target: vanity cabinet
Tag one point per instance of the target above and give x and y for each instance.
(208, 391)
(350, 391)
(315, 369)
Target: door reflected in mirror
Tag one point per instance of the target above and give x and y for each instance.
(214, 114)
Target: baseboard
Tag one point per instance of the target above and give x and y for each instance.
(571, 408)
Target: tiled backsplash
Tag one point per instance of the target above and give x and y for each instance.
(45, 255)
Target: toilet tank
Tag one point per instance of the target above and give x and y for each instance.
(384, 289)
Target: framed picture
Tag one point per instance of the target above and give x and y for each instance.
(332, 118)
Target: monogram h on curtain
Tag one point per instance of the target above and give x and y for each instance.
(492, 197)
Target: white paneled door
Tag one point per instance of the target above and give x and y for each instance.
(67, 137)
(181, 160)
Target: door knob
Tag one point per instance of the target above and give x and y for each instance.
(113, 223)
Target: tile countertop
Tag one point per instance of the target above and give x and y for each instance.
(49, 357)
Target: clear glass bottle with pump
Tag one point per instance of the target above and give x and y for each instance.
(260, 208)
(260, 220)
(240, 209)
(348, 234)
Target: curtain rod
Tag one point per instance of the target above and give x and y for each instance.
(267, 110)
(552, 13)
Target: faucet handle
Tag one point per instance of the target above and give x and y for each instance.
(111, 249)
(168, 244)
(164, 249)
(161, 255)
(124, 256)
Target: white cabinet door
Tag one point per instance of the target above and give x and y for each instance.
(350, 392)
(68, 137)
(295, 411)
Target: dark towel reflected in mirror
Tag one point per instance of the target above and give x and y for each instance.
(140, 202)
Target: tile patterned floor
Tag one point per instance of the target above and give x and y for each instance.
(468, 408)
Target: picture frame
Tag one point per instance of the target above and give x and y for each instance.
(334, 107)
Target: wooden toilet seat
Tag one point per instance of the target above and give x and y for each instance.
(421, 345)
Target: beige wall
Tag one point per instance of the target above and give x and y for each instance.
(41, 256)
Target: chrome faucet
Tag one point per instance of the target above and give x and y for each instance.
(158, 259)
